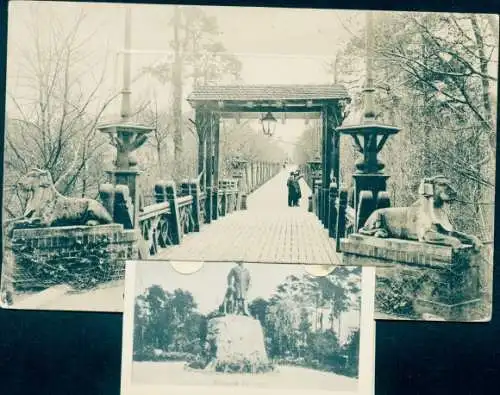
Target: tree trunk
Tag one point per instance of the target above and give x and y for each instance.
(177, 96)
(483, 65)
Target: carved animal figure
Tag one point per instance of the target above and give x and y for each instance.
(229, 304)
(47, 207)
(426, 220)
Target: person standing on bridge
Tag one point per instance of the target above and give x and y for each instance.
(291, 189)
(296, 186)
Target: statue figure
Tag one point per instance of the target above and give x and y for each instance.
(125, 145)
(425, 220)
(238, 282)
(47, 207)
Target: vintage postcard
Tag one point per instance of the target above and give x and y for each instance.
(252, 328)
(180, 133)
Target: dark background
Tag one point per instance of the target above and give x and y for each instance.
(80, 353)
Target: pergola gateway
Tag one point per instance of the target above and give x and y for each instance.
(212, 103)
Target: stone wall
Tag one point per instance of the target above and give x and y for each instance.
(421, 279)
(80, 256)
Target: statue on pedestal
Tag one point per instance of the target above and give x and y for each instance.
(235, 299)
(426, 220)
(46, 207)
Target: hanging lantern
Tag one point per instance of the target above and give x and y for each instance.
(268, 124)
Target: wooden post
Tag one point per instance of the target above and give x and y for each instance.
(209, 168)
(174, 212)
(341, 218)
(332, 223)
(317, 195)
(201, 127)
(254, 176)
(328, 131)
(194, 191)
(215, 164)
(323, 163)
(186, 191)
(336, 152)
(223, 197)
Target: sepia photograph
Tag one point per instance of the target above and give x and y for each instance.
(255, 328)
(183, 133)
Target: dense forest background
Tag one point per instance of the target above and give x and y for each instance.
(301, 323)
(52, 125)
(436, 79)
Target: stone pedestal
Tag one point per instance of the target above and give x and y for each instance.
(127, 138)
(237, 345)
(437, 281)
(129, 179)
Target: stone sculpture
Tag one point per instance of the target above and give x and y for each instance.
(426, 220)
(126, 144)
(238, 283)
(235, 341)
(47, 207)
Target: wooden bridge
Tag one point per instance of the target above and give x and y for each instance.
(267, 231)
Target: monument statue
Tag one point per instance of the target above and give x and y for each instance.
(425, 220)
(47, 207)
(235, 341)
(126, 144)
(235, 299)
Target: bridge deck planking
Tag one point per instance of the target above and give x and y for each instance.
(268, 231)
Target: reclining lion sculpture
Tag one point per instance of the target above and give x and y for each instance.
(426, 220)
(47, 207)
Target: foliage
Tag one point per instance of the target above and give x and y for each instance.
(199, 58)
(168, 327)
(51, 118)
(294, 318)
(85, 267)
(169, 322)
(396, 294)
(308, 146)
(244, 141)
(351, 353)
(436, 78)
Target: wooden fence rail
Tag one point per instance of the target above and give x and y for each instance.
(174, 211)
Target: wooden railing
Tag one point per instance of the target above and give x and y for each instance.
(174, 211)
(255, 174)
(339, 220)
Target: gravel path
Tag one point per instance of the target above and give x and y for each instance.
(284, 377)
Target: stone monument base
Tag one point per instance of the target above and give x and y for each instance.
(237, 345)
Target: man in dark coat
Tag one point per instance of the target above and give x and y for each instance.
(291, 189)
(296, 186)
(239, 280)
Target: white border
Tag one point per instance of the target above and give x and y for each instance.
(366, 349)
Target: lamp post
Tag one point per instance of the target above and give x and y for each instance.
(370, 182)
(268, 124)
(126, 136)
